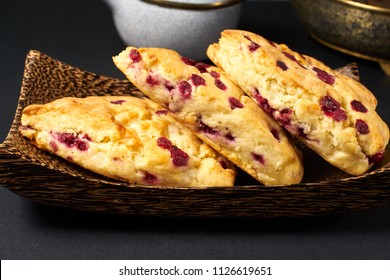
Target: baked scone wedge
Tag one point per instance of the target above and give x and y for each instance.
(125, 138)
(331, 113)
(202, 97)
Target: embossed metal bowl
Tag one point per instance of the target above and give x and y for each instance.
(352, 27)
(45, 178)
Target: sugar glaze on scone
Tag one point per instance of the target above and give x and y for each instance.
(331, 113)
(205, 100)
(125, 138)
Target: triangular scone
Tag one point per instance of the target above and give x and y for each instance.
(331, 113)
(125, 138)
(205, 100)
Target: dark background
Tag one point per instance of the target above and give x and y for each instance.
(81, 33)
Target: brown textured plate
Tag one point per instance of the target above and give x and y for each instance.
(44, 178)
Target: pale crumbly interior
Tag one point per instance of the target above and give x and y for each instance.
(347, 133)
(206, 101)
(118, 137)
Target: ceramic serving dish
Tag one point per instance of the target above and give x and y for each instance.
(187, 26)
(47, 179)
(359, 28)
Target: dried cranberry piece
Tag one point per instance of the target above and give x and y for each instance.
(275, 133)
(168, 86)
(179, 158)
(72, 141)
(135, 56)
(162, 112)
(215, 74)
(253, 45)
(117, 102)
(290, 56)
(362, 127)
(340, 115)
(151, 80)
(185, 89)
(235, 103)
(331, 108)
(324, 76)
(164, 143)
(258, 158)
(286, 113)
(272, 43)
(198, 80)
(188, 61)
(262, 102)
(67, 138)
(202, 67)
(82, 146)
(376, 158)
(329, 105)
(358, 106)
(282, 65)
(150, 178)
(207, 129)
(220, 84)
(283, 117)
(211, 132)
(230, 137)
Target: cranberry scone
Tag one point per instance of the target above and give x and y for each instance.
(125, 138)
(202, 98)
(331, 113)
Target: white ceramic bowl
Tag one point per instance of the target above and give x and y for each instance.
(187, 26)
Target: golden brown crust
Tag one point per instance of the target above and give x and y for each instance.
(119, 137)
(205, 100)
(331, 113)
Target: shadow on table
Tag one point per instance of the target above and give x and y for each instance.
(363, 221)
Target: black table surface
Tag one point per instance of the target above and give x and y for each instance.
(82, 34)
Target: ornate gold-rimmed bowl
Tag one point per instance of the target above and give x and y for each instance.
(47, 179)
(194, 5)
(353, 27)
